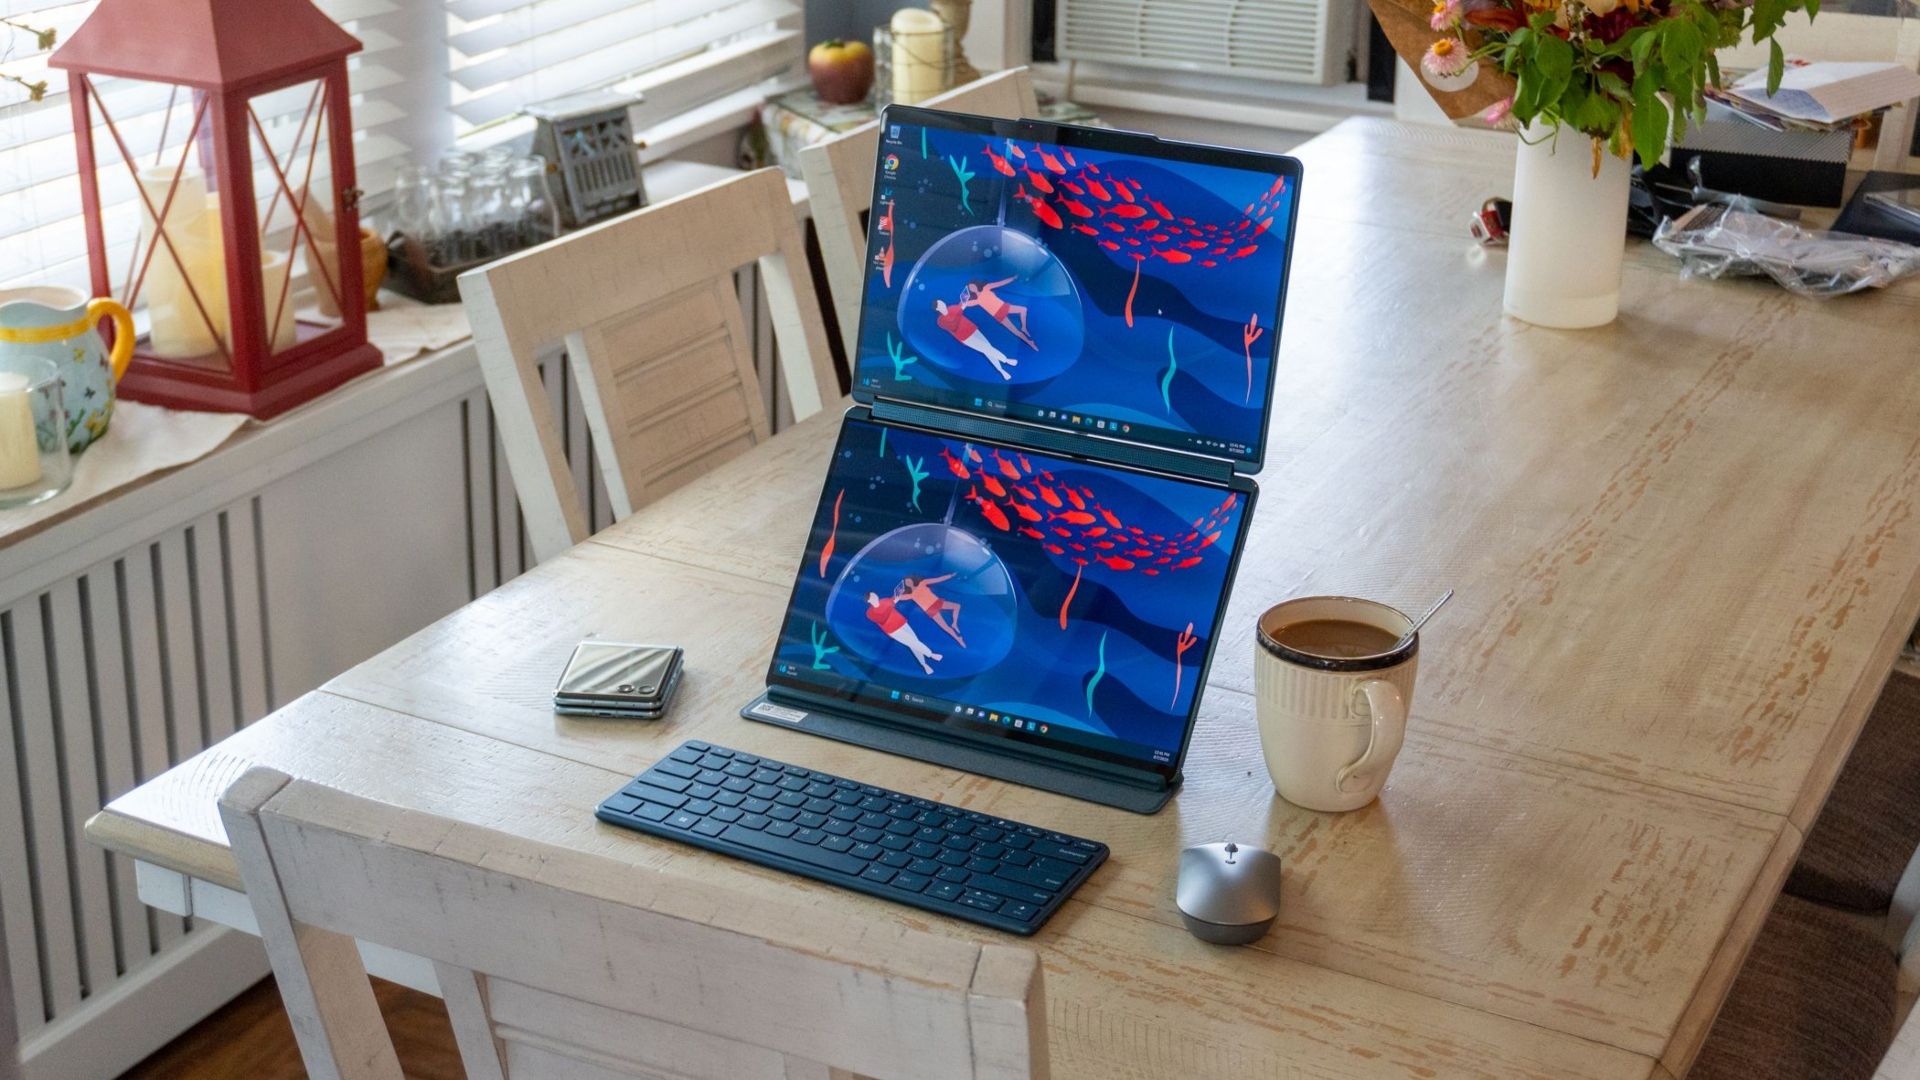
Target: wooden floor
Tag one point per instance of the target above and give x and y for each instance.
(250, 1039)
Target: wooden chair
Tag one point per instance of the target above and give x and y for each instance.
(839, 175)
(651, 321)
(1839, 35)
(555, 963)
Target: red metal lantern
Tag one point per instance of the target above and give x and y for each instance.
(216, 174)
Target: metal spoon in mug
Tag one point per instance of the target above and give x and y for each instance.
(1422, 620)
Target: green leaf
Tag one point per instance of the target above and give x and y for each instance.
(1649, 121)
(1643, 39)
(1776, 67)
(1713, 70)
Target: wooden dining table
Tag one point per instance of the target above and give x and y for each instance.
(1685, 555)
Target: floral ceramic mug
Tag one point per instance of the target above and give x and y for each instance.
(52, 320)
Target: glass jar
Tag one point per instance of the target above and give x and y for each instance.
(34, 461)
(536, 213)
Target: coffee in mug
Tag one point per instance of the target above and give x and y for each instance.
(1332, 681)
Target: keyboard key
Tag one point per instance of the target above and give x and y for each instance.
(676, 768)
(727, 814)
(923, 850)
(783, 813)
(683, 820)
(819, 790)
(1022, 912)
(807, 836)
(818, 806)
(745, 758)
(1017, 858)
(901, 828)
(738, 770)
(933, 819)
(782, 828)
(791, 783)
(894, 843)
(702, 791)
(844, 813)
(756, 821)
(987, 834)
(830, 860)
(910, 882)
(1012, 890)
(765, 775)
(846, 798)
(874, 821)
(809, 821)
(756, 806)
(655, 794)
(652, 812)
(952, 873)
(960, 843)
(875, 803)
(1053, 850)
(790, 798)
(945, 890)
(1034, 876)
(1016, 841)
(974, 898)
(710, 776)
(881, 874)
(661, 780)
(989, 851)
(837, 828)
(866, 835)
(621, 803)
(868, 851)
(727, 798)
(929, 835)
(982, 866)
(763, 791)
(720, 751)
(836, 843)
(686, 755)
(710, 827)
(696, 744)
(735, 784)
(701, 807)
(952, 857)
(899, 860)
(924, 866)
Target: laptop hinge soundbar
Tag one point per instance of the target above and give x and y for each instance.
(952, 422)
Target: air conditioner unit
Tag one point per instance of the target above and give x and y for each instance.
(1299, 41)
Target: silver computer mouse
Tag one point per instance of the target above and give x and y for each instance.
(1228, 894)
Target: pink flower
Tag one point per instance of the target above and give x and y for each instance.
(1446, 57)
(1497, 113)
(1446, 14)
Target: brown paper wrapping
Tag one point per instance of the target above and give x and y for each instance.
(1408, 28)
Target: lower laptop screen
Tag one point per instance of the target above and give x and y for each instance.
(1001, 594)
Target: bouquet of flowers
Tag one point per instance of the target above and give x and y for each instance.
(1626, 73)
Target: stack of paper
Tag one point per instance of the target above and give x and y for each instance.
(1823, 94)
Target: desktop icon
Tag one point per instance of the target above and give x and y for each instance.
(993, 716)
(1043, 729)
(895, 695)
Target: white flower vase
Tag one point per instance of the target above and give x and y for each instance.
(1569, 231)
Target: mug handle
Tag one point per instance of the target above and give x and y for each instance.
(103, 308)
(1389, 709)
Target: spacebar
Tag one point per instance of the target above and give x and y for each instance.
(806, 853)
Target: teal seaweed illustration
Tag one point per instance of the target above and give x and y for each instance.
(895, 349)
(965, 176)
(883, 442)
(1166, 381)
(821, 650)
(1098, 673)
(916, 472)
(923, 144)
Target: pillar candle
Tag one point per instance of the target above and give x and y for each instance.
(177, 329)
(919, 55)
(19, 448)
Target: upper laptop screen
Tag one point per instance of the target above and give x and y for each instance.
(1087, 280)
(1054, 606)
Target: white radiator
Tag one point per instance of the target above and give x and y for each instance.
(117, 664)
(1300, 41)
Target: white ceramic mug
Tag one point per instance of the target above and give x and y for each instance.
(1331, 726)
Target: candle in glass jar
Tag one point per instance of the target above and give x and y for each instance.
(919, 55)
(19, 447)
(178, 329)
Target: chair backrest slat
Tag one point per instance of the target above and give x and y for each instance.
(646, 307)
(839, 175)
(555, 962)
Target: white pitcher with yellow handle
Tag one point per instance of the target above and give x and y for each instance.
(63, 323)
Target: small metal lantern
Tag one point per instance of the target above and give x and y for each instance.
(589, 137)
(221, 163)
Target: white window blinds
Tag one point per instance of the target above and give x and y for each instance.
(41, 235)
(511, 53)
(431, 71)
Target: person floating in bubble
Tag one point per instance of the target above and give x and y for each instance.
(954, 321)
(981, 294)
(887, 617)
(944, 613)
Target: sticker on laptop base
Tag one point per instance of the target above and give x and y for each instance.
(778, 712)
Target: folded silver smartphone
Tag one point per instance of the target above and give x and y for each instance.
(610, 674)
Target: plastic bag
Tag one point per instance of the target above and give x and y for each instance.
(1715, 241)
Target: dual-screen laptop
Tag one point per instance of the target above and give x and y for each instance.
(1030, 525)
